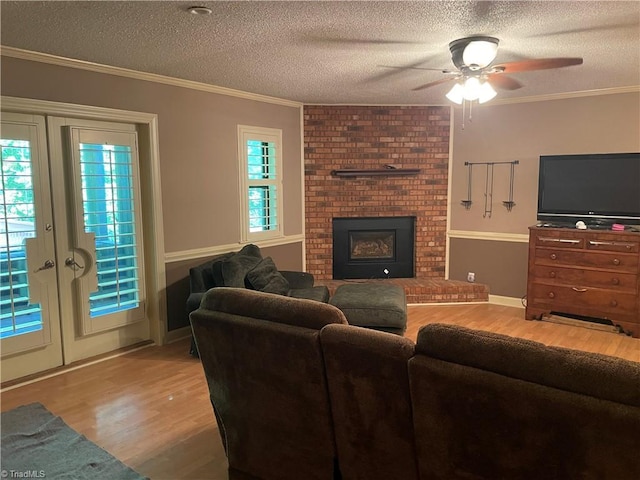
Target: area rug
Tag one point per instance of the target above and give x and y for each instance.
(38, 444)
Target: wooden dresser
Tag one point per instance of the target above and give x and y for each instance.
(593, 273)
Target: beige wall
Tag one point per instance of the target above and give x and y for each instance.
(523, 132)
(198, 156)
(198, 144)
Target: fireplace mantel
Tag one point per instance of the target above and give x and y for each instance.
(375, 172)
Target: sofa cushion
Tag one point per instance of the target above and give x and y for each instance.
(318, 293)
(216, 269)
(272, 308)
(235, 268)
(265, 277)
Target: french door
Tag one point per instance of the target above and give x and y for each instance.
(29, 310)
(84, 253)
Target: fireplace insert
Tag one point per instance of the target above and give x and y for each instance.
(373, 247)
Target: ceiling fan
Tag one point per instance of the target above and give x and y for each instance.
(476, 75)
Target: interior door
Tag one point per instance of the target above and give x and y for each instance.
(99, 235)
(29, 315)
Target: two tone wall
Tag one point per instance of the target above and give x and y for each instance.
(494, 246)
(198, 151)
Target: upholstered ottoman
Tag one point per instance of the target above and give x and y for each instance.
(373, 305)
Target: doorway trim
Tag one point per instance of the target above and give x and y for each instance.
(151, 191)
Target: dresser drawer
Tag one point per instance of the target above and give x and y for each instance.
(609, 261)
(555, 240)
(559, 298)
(613, 246)
(623, 282)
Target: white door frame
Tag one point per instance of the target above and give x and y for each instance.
(150, 190)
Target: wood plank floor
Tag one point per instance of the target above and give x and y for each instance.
(150, 408)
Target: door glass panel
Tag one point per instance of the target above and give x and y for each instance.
(109, 213)
(17, 223)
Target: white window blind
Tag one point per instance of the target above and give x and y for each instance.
(261, 182)
(17, 315)
(109, 213)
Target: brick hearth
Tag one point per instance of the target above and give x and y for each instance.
(426, 290)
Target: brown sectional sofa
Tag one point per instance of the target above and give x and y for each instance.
(299, 394)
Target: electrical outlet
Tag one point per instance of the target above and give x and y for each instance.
(471, 277)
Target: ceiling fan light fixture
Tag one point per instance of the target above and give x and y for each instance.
(473, 52)
(456, 94)
(472, 87)
(479, 53)
(487, 93)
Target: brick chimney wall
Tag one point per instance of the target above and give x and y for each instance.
(370, 137)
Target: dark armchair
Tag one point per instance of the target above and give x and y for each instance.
(248, 269)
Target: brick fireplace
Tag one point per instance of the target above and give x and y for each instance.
(409, 138)
(361, 137)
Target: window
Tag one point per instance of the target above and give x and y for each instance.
(17, 223)
(109, 213)
(260, 152)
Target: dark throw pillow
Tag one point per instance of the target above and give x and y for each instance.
(265, 277)
(235, 268)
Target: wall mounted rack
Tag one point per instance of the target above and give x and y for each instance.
(488, 186)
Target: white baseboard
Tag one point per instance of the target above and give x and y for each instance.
(506, 301)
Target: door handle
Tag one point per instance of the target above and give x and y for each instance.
(71, 262)
(46, 266)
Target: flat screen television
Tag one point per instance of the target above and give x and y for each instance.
(599, 189)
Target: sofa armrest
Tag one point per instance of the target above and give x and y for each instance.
(298, 279)
(193, 301)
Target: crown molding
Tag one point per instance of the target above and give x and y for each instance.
(567, 95)
(149, 77)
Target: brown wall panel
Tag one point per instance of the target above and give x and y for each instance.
(501, 265)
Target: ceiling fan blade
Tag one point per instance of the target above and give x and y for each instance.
(504, 82)
(441, 70)
(538, 64)
(630, 23)
(433, 84)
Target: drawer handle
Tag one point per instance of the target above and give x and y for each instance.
(553, 256)
(596, 243)
(615, 281)
(552, 274)
(616, 261)
(559, 240)
(614, 303)
(552, 295)
(580, 290)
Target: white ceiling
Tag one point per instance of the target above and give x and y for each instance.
(334, 52)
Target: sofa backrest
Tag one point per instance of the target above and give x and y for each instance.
(370, 402)
(489, 406)
(263, 363)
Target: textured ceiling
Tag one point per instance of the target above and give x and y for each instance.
(335, 52)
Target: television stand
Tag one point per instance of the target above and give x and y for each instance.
(589, 273)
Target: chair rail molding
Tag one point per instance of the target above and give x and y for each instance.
(494, 236)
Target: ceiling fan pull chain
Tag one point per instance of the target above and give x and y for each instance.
(464, 102)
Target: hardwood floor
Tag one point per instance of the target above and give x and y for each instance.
(150, 408)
